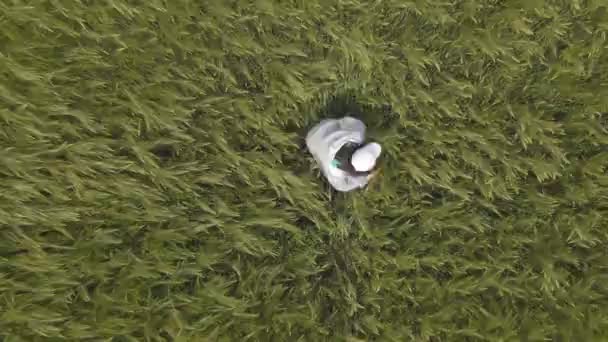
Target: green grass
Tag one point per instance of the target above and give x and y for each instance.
(154, 184)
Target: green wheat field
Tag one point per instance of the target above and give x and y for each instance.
(155, 186)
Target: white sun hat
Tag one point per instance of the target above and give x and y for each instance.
(364, 159)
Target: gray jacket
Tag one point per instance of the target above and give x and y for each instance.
(325, 140)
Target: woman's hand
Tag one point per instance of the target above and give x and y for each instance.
(373, 174)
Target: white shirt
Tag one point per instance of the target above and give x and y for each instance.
(325, 140)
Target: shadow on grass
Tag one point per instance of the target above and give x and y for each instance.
(378, 120)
